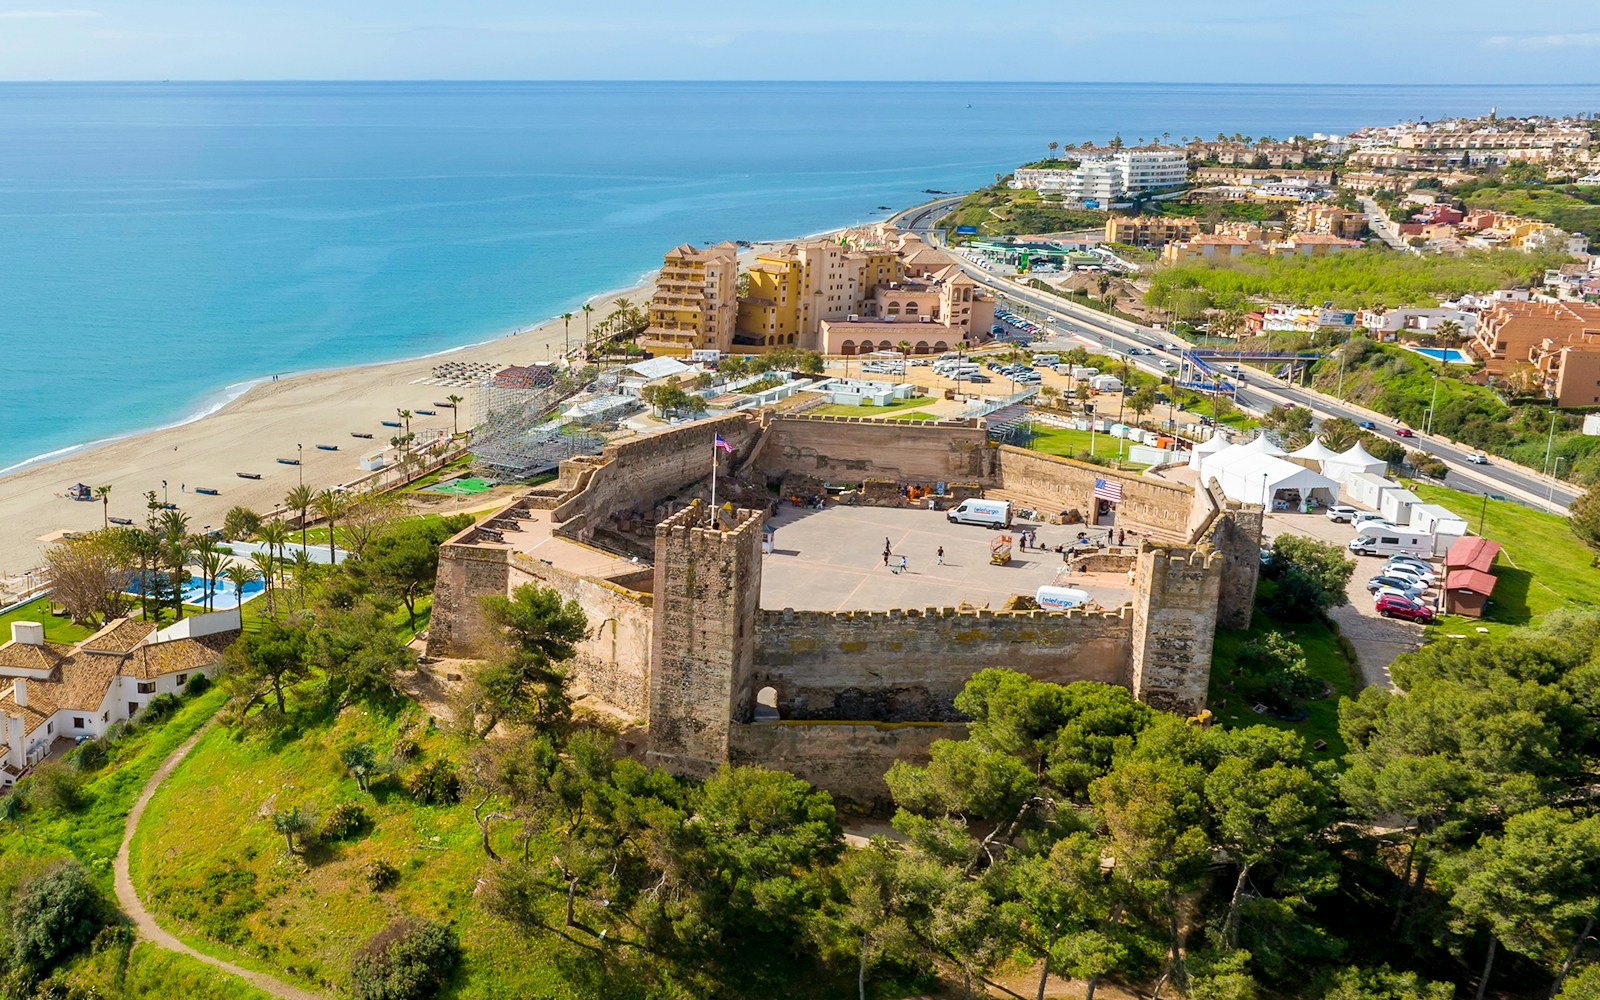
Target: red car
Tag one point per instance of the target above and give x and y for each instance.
(1404, 432)
(1394, 607)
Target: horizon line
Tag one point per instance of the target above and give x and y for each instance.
(799, 80)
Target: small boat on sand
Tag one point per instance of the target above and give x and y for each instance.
(288, 461)
(427, 413)
(390, 423)
(208, 491)
(327, 447)
(248, 475)
(358, 434)
(124, 521)
(445, 406)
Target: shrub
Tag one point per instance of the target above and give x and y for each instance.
(116, 732)
(344, 820)
(54, 785)
(196, 686)
(161, 708)
(1384, 984)
(55, 915)
(1311, 577)
(1276, 669)
(380, 875)
(90, 756)
(435, 783)
(407, 960)
(406, 747)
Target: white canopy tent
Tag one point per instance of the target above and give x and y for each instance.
(1262, 446)
(1210, 446)
(1252, 477)
(1355, 460)
(1313, 455)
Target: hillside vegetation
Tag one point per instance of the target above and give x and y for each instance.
(1575, 209)
(1002, 211)
(1355, 279)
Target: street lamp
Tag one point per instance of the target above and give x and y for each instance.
(300, 454)
(1550, 440)
(163, 491)
(1549, 498)
(1427, 427)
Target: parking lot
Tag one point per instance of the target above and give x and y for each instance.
(1377, 640)
(832, 560)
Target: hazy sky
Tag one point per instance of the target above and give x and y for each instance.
(1410, 41)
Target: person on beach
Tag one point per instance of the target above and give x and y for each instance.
(902, 564)
(886, 555)
(941, 555)
(1122, 536)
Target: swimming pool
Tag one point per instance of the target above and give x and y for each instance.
(222, 599)
(1449, 355)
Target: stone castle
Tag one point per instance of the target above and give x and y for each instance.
(681, 648)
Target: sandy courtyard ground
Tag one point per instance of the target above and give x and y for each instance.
(832, 560)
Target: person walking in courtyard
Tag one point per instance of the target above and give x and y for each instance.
(1122, 537)
(902, 564)
(941, 555)
(886, 552)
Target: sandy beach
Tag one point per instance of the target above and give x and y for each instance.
(250, 434)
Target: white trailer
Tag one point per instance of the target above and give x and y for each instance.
(1376, 540)
(1397, 505)
(1367, 489)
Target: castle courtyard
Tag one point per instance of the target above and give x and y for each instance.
(832, 560)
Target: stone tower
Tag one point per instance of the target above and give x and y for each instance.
(707, 590)
(1176, 593)
(1237, 539)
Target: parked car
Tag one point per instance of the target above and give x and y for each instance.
(1404, 432)
(1421, 578)
(1367, 425)
(1412, 561)
(1405, 585)
(1478, 459)
(1340, 514)
(1404, 610)
(1364, 516)
(1396, 592)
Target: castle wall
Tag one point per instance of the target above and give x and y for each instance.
(848, 759)
(707, 589)
(637, 473)
(1155, 506)
(903, 666)
(466, 571)
(1176, 593)
(613, 663)
(1237, 539)
(851, 449)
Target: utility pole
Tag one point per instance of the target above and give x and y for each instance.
(1550, 441)
(1549, 498)
(1483, 512)
(1427, 428)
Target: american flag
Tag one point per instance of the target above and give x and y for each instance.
(721, 444)
(1107, 489)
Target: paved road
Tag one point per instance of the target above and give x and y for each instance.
(1378, 222)
(1500, 478)
(144, 923)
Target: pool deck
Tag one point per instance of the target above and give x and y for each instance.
(1446, 355)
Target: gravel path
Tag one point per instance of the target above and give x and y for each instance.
(145, 923)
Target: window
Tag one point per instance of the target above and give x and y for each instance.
(77, 722)
(146, 687)
(50, 727)
(182, 678)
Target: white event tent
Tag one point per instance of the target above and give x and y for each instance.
(1355, 460)
(1210, 446)
(1249, 474)
(1314, 455)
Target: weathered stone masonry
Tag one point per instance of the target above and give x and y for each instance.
(684, 647)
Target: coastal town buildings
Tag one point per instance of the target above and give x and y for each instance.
(695, 304)
(1330, 220)
(870, 289)
(1104, 177)
(1508, 331)
(1150, 230)
(1249, 176)
(1569, 371)
(57, 694)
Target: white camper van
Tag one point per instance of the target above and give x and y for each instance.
(989, 513)
(1382, 540)
(1060, 598)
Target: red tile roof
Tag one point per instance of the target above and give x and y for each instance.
(1472, 553)
(1474, 580)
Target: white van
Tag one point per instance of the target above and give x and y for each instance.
(1078, 371)
(1381, 540)
(1105, 383)
(1046, 360)
(1060, 598)
(989, 513)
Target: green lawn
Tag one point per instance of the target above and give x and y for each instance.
(228, 886)
(1070, 443)
(1542, 566)
(1324, 655)
(55, 629)
(896, 408)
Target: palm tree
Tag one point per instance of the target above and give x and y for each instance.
(1053, 147)
(210, 559)
(302, 569)
(905, 348)
(405, 415)
(299, 499)
(566, 333)
(587, 309)
(239, 574)
(275, 535)
(173, 545)
(104, 494)
(1449, 333)
(455, 413)
(330, 506)
(264, 567)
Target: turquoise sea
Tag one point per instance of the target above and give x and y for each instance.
(163, 244)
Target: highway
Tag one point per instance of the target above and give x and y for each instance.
(1262, 392)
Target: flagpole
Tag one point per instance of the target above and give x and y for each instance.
(713, 481)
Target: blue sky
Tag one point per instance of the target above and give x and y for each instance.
(1332, 41)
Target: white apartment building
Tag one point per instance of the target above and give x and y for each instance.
(1106, 177)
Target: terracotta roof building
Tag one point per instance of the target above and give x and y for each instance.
(1469, 576)
(53, 695)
